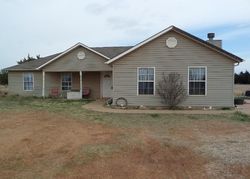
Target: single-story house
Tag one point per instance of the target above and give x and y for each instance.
(133, 72)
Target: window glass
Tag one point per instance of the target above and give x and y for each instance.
(66, 81)
(146, 81)
(28, 82)
(197, 81)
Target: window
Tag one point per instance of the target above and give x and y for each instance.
(66, 81)
(197, 80)
(146, 79)
(28, 82)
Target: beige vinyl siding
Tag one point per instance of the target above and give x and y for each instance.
(52, 80)
(70, 62)
(92, 81)
(76, 81)
(187, 53)
(15, 85)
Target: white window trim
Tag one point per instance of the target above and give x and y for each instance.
(33, 81)
(71, 80)
(148, 81)
(205, 80)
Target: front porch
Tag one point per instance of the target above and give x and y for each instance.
(77, 85)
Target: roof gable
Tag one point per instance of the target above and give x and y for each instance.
(70, 62)
(69, 50)
(186, 34)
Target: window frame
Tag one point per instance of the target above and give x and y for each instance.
(138, 80)
(62, 79)
(205, 67)
(33, 81)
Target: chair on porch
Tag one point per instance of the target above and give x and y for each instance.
(86, 92)
(54, 92)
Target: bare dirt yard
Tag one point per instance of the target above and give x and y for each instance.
(59, 139)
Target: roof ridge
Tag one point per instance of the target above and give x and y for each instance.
(113, 46)
(50, 55)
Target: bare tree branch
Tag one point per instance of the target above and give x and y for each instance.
(171, 89)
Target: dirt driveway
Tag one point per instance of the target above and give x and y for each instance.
(39, 144)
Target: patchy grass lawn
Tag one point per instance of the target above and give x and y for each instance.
(59, 139)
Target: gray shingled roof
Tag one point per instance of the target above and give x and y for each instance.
(32, 65)
(111, 52)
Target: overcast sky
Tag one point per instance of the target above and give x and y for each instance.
(46, 27)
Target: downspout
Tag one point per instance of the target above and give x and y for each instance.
(237, 64)
(43, 87)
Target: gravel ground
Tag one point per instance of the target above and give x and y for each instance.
(227, 145)
(231, 149)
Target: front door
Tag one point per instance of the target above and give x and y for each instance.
(107, 85)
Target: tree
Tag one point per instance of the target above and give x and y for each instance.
(29, 58)
(171, 89)
(242, 78)
(3, 77)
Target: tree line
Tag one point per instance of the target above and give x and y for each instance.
(3, 77)
(28, 59)
(4, 73)
(242, 78)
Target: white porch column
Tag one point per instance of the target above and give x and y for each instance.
(43, 90)
(80, 83)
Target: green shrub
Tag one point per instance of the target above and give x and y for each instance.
(3, 77)
(154, 115)
(239, 116)
(226, 108)
(238, 101)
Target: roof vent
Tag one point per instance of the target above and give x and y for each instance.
(211, 40)
(210, 36)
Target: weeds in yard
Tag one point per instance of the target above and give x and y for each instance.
(154, 115)
(226, 108)
(239, 116)
(12, 163)
(90, 152)
(53, 105)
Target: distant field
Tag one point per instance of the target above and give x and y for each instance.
(241, 89)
